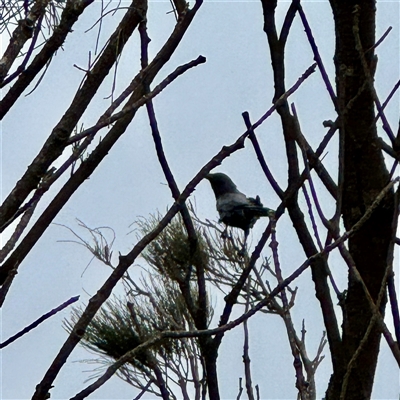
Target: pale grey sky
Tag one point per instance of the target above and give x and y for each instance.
(198, 114)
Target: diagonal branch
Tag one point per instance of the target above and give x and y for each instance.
(222, 328)
(56, 142)
(317, 56)
(84, 171)
(70, 15)
(20, 36)
(368, 76)
(126, 261)
(38, 321)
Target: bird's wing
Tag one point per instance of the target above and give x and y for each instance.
(230, 201)
(234, 202)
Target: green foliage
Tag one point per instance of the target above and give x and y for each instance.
(170, 253)
(111, 332)
(156, 302)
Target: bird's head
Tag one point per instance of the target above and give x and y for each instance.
(221, 184)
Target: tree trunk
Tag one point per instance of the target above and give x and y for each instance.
(364, 176)
(209, 351)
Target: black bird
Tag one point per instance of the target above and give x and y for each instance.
(234, 208)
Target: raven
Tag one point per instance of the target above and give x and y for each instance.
(234, 208)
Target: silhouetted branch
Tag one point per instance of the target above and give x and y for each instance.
(240, 389)
(90, 164)
(6, 249)
(20, 36)
(143, 391)
(368, 76)
(27, 56)
(57, 140)
(317, 56)
(70, 15)
(246, 356)
(39, 321)
(129, 258)
(376, 317)
(394, 305)
(381, 39)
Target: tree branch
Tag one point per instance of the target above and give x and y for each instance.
(39, 321)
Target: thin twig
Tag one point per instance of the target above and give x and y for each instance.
(230, 325)
(317, 56)
(246, 356)
(39, 321)
(368, 77)
(390, 280)
(382, 38)
(90, 132)
(301, 384)
(105, 121)
(240, 389)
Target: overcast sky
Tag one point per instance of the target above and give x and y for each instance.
(197, 115)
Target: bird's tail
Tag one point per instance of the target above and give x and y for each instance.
(257, 208)
(260, 211)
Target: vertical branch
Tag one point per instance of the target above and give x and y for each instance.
(390, 279)
(375, 318)
(319, 266)
(368, 76)
(246, 357)
(301, 384)
(394, 305)
(240, 389)
(199, 309)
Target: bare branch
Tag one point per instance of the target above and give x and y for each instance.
(20, 36)
(368, 76)
(222, 328)
(70, 15)
(317, 56)
(246, 356)
(56, 142)
(39, 321)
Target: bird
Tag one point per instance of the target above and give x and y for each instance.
(234, 207)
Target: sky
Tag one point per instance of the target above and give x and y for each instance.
(197, 115)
